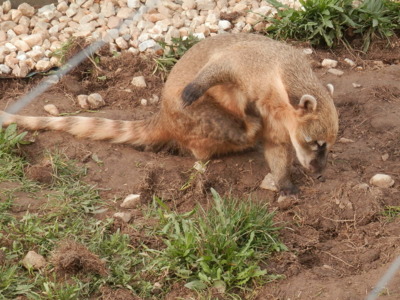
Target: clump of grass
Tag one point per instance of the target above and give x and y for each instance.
(332, 22)
(220, 248)
(173, 52)
(392, 211)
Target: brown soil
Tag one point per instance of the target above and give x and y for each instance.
(339, 242)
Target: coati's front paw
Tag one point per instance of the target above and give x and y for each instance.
(289, 189)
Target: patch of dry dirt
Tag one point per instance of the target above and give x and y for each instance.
(339, 242)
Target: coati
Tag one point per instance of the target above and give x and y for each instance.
(226, 93)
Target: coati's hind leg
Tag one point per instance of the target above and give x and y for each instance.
(215, 131)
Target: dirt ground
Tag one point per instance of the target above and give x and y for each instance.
(340, 243)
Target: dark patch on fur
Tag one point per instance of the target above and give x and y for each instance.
(191, 93)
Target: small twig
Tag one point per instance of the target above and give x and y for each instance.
(338, 258)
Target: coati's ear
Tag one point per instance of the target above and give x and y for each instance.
(308, 103)
(330, 88)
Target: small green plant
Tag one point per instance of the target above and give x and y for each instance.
(173, 52)
(221, 247)
(10, 139)
(392, 211)
(65, 49)
(331, 22)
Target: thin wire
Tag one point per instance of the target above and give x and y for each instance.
(44, 85)
(390, 273)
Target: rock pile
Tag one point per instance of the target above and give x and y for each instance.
(29, 37)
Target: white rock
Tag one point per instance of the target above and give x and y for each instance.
(146, 45)
(268, 183)
(22, 45)
(16, 15)
(139, 82)
(382, 180)
(7, 25)
(33, 40)
(336, 72)
(308, 51)
(240, 7)
(124, 216)
(205, 4)
(349, 62)
(356, 85)
(3, 36)
(329, 63)
(131, 201)
(53, 79)
(345, 141)
(33, 260)
(134, 3)
(113, 22)
(4, 69)
(71, 11)
(224, 24)
(108, 9)
(143, 102)
(21, 29)
(11, 47)
(199, 35)
(95, 100)
(51, 109)
(83, 101)
(188, 4)
(124, 13)
(47, 12)
(385, 157)
(62, 7)
(43, 65)
(36, 54)
(6, 6)
(21, 70)
(154, 99)
(121, 43)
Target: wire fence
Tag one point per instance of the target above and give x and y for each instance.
(72, 63)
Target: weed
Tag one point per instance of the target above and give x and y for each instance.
(173, 52)
(10, 139)
(331, 22)
(392, 212)
(221, 248)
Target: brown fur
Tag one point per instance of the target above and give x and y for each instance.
(226, 93)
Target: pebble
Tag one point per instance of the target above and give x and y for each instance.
(268, 183)
(308, 51)
(95, 100)
(349, 62)
(124, 216)
(329, 63)
(385, 157)
(33, 260)
(345, 141)
(51, 109)
(356, 85)
(143, 102)
(83, 101)
(336, 72)
(382, 180)
(139, 82)
(131, 201)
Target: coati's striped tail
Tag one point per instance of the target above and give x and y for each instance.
(138, 132)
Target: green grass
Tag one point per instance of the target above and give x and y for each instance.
(392, 211)
(222, 247)
(173, 52)
(334, 22)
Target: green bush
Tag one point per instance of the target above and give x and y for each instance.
(331, 22)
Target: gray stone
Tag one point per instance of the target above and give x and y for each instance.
(124, 216)
(95, 100)
(139, 82)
